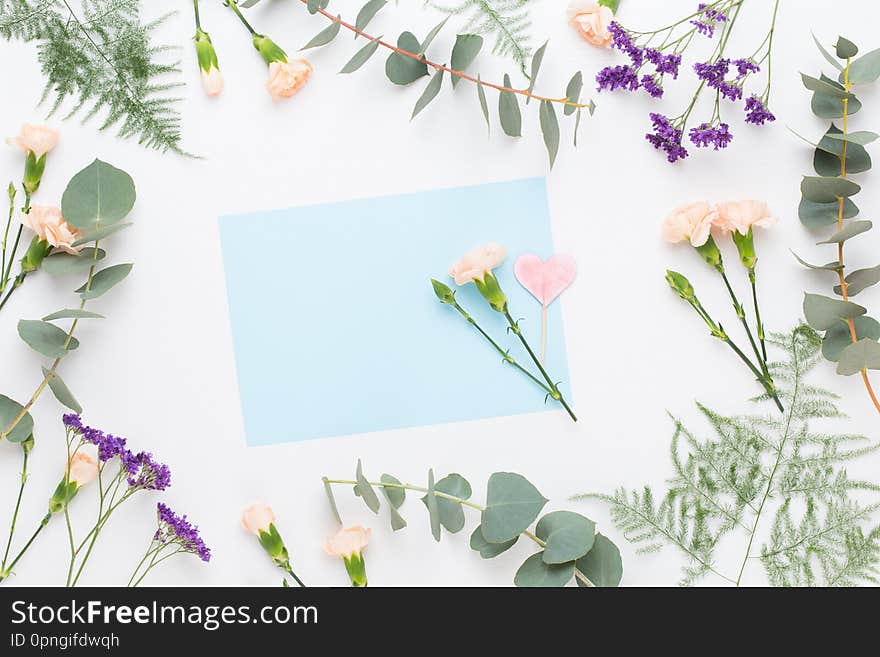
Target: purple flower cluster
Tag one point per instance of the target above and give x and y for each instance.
(621, 40)
(666, 137)
(652, 84)
(144, 472)
(664, 64)
(744, 67)
(714, 74)
(705, 24)
(708, 135)
(757, 113)
(626, 77)
(173, 527)
(617, 77)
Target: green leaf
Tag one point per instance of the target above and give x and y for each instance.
(61, 391)
(361, 56)
(314, 5)
(9, 410)
(484, 106)
(819, 215)
(824, 312)
(508, 110)
(861, 355)
(826, 106)
(866, 68)
(363, 490)
(573, 92)
(860, 137)
(550, 129)
(537, 59)
(827, 55)
(826, 159)
(567, 535)
(100, 233)
(395, 497)
(72, 313)
(577, 123)
(825, 88)
(464, 52)
(512, 504)
(323, 37)
(827, 190)
(104, 280)
(65, 263)
(402, 69)
(429, 93)
(433, 510)
(860, 279)
(430, 37)
(846, 48)
(838, 337)
(328, 490)
(367, 12)
(46, 338)
(486, 549)
(602, 565)
(831, 266)
(99, 194)
(850, 230)
(450, 513)
(535, 572)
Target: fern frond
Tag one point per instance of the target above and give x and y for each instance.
(101, 58)
(506, 20)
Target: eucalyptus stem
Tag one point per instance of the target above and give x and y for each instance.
(17, 507)
(504, 354)
(554, 390)
(452, 498)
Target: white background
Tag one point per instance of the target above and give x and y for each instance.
(160, 370)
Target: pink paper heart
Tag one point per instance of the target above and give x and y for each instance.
(545, 280)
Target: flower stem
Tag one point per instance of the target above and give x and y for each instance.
(758, 322)
(442, 67)
(233, 5)
(196, 12)
(740, 312)
(452, 498)
(505, 355)
(17, 507)
(43, 523)
(554, 390)
(289, 570)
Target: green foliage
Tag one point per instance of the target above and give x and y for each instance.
(762, 475)
(570, 546)
(851, 337)
(100, 56)
(507, 21)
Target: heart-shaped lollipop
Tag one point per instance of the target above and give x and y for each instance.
(545, 280)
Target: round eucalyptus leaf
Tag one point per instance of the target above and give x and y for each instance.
(859, 280)
(364, 490)
(567, 535)
(827, 190)
(395, 495)
(849, 231)
(846, 48)
(99, 194)
(512, 504)
(58, 264)
(866, 68)
(104, 281)
(402, 69)
(61, 391)
(450, 513)
(838, 337)
(100, 233)
(508, 111)
(602, 565)
(46, 338)
(824, 312)
(819, 215)
(826, 159)
(826, 106)
(858, 356)
(536, 573)
(9, 410)
(486, 549)
(465, 50)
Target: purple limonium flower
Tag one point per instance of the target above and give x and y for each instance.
(144, 472)
(704, 23)
(653, 85)
(108, 445)
(173, 527)
(663, 64)
(713, 74)
(744, 67)
(708, 135)
(757, 113)
(666, 137)
(617, 77)
(622, 41)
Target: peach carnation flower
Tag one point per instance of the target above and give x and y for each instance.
(257, 518)
(477, 263)
(692, 222)
(37, 139)
(740, 216)
(286, 78)
(591, 21)
(82, 469)
(47, 222)
(348, 542)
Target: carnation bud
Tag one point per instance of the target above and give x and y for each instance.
(36, 253)
(270, 50)
(443, 292)
(212, 79)
(745, 245)
(680, 284)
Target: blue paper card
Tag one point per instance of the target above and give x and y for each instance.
(336, 327)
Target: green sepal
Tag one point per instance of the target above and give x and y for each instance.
(745, 245)
(36, 253)
(205, 52)
(710, 253)
(613, 5)
(273, 544)
(492, 292)
(28, 444)
(64, 493)
(270, 51)
(33, 171)
(357, 570)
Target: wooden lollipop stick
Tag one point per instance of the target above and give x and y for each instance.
(543, 332)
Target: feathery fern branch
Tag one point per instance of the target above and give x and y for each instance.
(101, 57)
